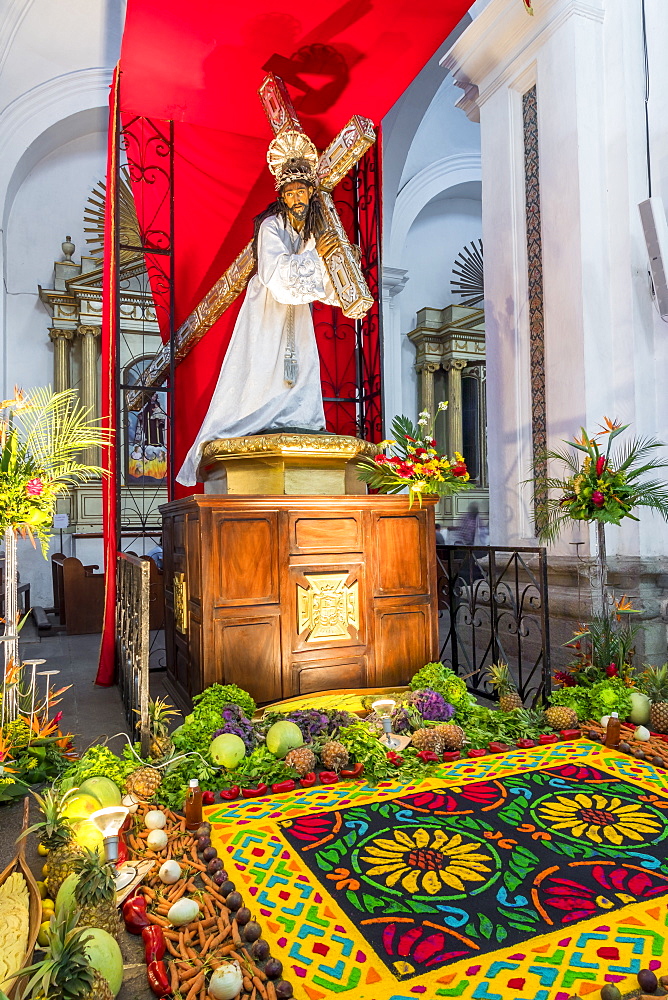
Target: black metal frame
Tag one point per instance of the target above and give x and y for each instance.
(494, 603)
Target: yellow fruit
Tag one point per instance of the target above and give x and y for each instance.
(43, 936)
(80, 806)
(86, 834)
(48, 906)
(44, 870)
(42, 850)
(43, 891)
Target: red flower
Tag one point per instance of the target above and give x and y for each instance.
(565, 679)
(34, 487)
(597, 498)
(459, 469)
(600, 465)
(611, 670)
(420, 452)
(381, 460)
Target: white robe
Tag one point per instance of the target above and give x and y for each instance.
(251, 394)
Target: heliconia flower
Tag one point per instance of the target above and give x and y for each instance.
(600, 465)
(611, 670)
(597, 498)
(34, 487)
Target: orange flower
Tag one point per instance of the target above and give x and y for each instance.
(610, 425)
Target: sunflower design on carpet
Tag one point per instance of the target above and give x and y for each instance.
(599, 818)
(426, 862)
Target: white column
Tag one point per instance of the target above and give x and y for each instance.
(394, 281)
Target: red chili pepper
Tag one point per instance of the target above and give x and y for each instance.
(353, 772)
(570, 734)
(154, 943)
(134, 915)
(476, 753)
(525, 744)
(328, 777)
(428, 756)
(255, 793)
(395, 758)
(548, 738)
(283, 786)
(309, 780)
(497, 747)
(208, 798)
(229, 794)
(158, 979)
(452, 755)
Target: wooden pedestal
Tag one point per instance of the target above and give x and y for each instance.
(285, 595)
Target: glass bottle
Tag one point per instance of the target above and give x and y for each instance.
(613, 731)
(193, 805)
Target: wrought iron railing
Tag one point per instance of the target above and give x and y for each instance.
(132, 641)
(493, 606)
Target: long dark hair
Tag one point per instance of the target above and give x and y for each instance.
(314, 221)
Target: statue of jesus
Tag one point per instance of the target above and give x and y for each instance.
(270, 376)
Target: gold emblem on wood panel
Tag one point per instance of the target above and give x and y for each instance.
(180, 603)
(327, 608)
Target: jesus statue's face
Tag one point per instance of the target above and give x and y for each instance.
(296, 197)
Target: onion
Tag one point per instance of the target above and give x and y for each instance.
(156, 840)
(182, 912)
(155, 820)
(226, 981)
(170, 872)
(131, 803)
(641, 734)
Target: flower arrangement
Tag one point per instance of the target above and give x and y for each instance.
(41, 438)
(606, 486)
(416, 465)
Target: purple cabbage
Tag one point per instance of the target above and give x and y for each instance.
(432, 706)
(234, 721)
(311, 722)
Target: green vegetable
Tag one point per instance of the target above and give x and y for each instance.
(219, 695)
(608, 696)
(576, 698)
(441, 679)
(98, 760)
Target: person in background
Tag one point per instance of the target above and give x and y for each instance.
(465, 531)
(156, 555)
(440, 537)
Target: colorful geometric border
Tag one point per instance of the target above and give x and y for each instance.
(323, 952)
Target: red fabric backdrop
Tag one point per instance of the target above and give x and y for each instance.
(199, 64)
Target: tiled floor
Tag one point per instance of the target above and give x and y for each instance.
(93, 714)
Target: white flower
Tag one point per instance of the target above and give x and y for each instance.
(417, 487)
(443, 405)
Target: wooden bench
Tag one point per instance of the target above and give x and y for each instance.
(78, 595)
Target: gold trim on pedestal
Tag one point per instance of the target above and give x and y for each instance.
(180, 603)
(339, 445)
(327, 608)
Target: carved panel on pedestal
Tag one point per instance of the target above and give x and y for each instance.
(249, 650)
(401, 554)
(328, 608)
(402, 643)
(246, 559)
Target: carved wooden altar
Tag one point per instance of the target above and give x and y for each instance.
(289, 594)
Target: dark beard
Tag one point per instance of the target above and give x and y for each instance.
(298, 213)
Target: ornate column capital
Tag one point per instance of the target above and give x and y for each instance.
(58, 334)
(455, 364)
(427, 366)
(89, 331)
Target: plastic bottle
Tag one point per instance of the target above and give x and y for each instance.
(613, 731)
(193, 805)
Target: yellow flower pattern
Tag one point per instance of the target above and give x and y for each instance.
(426, 861)
(599, 818)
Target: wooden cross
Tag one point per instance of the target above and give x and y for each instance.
(341, 262)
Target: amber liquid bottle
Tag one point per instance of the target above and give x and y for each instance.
(613, 731)
(193, 805)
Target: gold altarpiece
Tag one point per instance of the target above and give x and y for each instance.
(450, 362)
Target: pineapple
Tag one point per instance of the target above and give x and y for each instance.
(65, 971)
(144, 782)
(95, 894)
(560, 717)
(439, 739)
(502, 682)
(655, 686)
(302, 759)
(57, 836)
(334, 755)
(160, 713)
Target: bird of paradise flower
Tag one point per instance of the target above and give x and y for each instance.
(599, 818)
(428, 861)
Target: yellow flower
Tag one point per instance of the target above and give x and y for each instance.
(429, 861)
(599, 818)
(459, 457)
